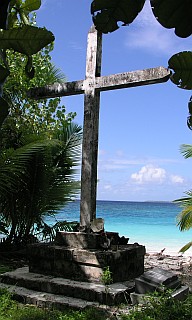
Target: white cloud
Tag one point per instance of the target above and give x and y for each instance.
(150, 38)
(150, 182)
(149, 173)
(177, 179)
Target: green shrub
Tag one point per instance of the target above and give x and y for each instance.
(162, 308)
(7, 305)
(106, 277)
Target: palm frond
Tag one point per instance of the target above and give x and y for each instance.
(72, 139)
(185, 201)
(186, 247)
(55, 75)
(14, 163)
(185, 218)
(41, 177)
(71, 135)
(186, 150)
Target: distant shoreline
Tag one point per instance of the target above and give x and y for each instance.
(135, 201)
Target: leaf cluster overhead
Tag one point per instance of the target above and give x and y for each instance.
(169, 13)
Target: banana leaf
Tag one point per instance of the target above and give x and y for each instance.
(181, 64)
(27, 39)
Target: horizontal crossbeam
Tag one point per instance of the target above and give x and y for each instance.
(132, 79)
(103, 83)
(57, 90)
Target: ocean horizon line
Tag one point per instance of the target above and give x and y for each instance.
(132, 201)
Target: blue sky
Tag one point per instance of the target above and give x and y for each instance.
(141, 129)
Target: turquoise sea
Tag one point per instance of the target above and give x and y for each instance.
(152, 224)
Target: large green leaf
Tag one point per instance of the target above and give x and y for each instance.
(27, 40)
(174, 14)
(107, 13)
(4, 72)
(31, 5)
(4, 110)
(181, 63)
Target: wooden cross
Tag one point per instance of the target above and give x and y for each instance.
(91, 87)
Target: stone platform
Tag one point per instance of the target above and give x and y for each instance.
(69, 271)
(83, 262)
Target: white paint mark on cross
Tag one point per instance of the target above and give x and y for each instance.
(93, 84)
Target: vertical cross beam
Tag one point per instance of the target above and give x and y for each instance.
(90, 130)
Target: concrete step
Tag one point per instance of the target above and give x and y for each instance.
(47, 300)
(113, 294)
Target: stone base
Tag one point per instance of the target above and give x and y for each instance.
(87, 293)
(126, 263)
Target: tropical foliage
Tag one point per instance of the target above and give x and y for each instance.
(40, 147)
(185, 217)
(18, 34)
(39, 143)
(32, 136)
(25, 113)
(46, 181)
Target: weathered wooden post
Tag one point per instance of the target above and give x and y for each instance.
(90, 130)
